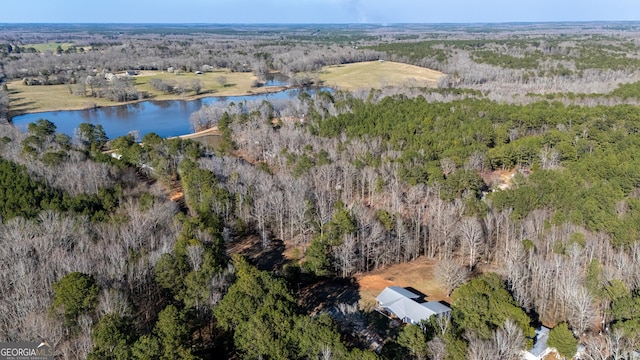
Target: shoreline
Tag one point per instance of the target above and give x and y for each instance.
(212, 131)
(348, 77)
(91, 106)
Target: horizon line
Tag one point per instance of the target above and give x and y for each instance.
(326, 23)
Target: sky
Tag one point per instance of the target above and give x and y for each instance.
(315, 11)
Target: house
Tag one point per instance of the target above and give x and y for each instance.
(540, 348)
(408, 306)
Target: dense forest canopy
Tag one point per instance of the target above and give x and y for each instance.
(517, 177)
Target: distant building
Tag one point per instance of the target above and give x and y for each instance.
(408, 306)
(540, 348)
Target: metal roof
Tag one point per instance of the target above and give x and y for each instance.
(392, 293)
(436, 307)
(540, 342)
(402, 303)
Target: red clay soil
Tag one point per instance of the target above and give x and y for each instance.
(417, 274)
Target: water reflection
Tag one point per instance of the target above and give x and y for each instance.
(165, 118)
(276, 80)
(161, 104)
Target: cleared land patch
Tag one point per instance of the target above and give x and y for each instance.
(31, 99)
(378, 74)
(417, 274)
(48, 46)
(233, 83)
(40, 98)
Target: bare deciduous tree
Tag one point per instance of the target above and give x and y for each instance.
(194, 253)
(345, 255)
(437, 349)
(448, 166)
(471, 239)
(222, 80)
(509, 341)
(451, 274)
(478, 349)
(581, 313)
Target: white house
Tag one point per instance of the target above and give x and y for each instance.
(408, 306)
(540, 348)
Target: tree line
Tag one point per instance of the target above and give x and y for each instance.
(346, 201)
(355, 182)
(403, 177)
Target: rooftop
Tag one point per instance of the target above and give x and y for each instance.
(392, 293)
(406, 305)
(540, 342)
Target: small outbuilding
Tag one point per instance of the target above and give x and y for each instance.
(540, 348)
(408, 306)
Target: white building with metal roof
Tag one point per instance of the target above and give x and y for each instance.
(407, 305)
(540, 348)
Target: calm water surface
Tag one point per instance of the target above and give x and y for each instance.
(165, 118)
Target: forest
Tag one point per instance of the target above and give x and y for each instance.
(517, 176)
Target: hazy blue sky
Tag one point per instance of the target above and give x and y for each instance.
(316, 11)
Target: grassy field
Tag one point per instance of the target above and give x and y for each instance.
(31, 99)
(236, 83)
(366, 75)
(377, 74)
(48, 47)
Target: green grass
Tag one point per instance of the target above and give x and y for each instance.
(48, 47)
(30, 99)
(236, 83)
(376, 74)
(366, 75)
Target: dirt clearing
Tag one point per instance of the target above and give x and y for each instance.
(417, 274)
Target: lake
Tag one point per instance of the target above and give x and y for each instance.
(165, 118)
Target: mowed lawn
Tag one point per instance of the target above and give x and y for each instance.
(40, 98)
(49, 46)
(30, 99)
(365, 75)
(232, 84)
(378, 74)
